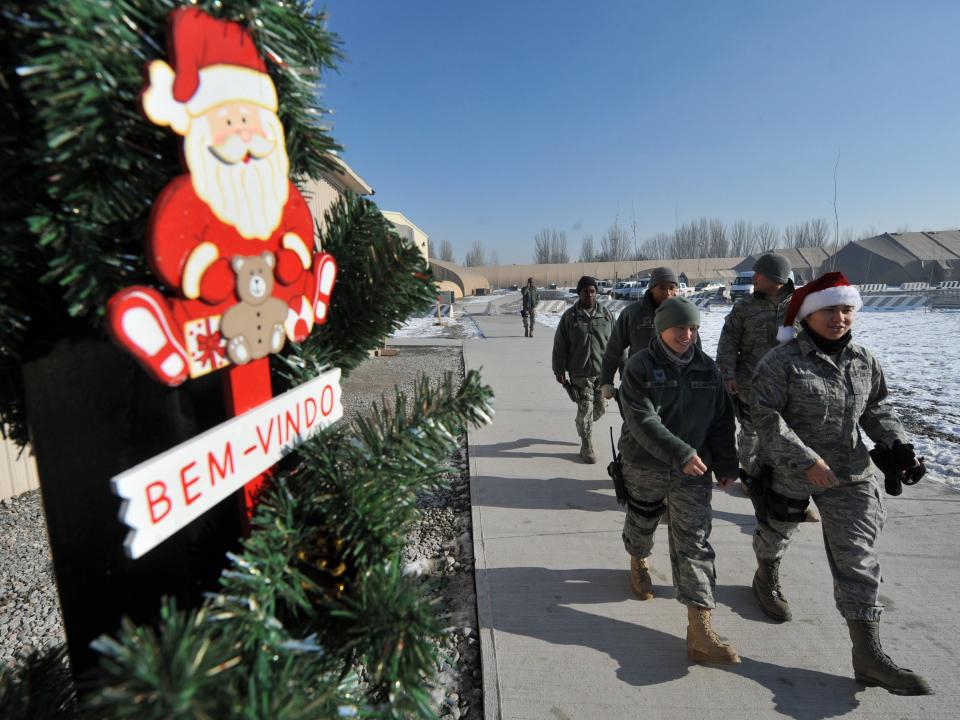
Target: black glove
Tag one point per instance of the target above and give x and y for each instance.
(899, 465)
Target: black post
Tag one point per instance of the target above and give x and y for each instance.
(93, 413)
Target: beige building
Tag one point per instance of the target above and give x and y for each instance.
(321, 193)
(406, 229)
(462, 281)
(567, 274)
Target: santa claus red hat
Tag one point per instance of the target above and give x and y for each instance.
(216, 62)
(829, 289)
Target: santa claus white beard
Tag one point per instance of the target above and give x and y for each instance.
(250, 196)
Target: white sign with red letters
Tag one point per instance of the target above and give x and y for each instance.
(165, 493)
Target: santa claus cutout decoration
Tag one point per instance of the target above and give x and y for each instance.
(233, 238)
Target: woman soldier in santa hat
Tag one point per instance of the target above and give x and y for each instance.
(811, 396)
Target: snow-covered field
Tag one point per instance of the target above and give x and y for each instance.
(920, 355)
(458, 326)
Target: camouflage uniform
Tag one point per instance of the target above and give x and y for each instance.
(577, 350)
(749, 331)
(670, 413)
(808, 405)
(634, 330)
(529, 299)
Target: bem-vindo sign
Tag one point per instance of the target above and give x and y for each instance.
(232, 241)
(169, 491)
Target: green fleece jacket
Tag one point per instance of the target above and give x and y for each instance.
(671, 412)
(580, 340)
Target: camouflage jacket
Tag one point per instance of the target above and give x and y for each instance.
(529, 298)
(580, 340)
(806, 407)
(671, 412)
(634, 330)
(749, 331)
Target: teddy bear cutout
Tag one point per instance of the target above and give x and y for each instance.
(253, 328)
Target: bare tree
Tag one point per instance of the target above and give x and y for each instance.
(615, 245)
(658, 246)
(587, 251)
(431, 250)
(819, 232)
(446, 251)
(558, 248)
(475, 255)
(717, 244)
(541, 247)
(743, 238)
(494, 259)
(550, 246)
(768, 237)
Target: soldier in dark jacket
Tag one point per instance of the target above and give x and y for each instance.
(529, 299)
(678, 429)
(634, 329)
(578, 347)
(811, 398)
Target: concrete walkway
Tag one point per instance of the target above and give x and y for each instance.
(562, 638)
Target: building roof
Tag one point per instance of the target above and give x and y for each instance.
(799, 258)
(344, 178)
(398, 218)
(908, 247)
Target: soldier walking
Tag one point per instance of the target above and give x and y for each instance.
(578, 347)
(634, 329)
(811, 397)
(529, 299)
(749, 331)
(678, 429)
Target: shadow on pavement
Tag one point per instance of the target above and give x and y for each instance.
(746, 522)
(646, 656)
(504, 449)
(559, 493)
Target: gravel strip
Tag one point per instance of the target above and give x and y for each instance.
(440, 546)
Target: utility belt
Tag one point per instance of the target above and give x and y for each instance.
(767, 503)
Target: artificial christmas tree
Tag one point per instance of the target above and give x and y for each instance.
(313, 616)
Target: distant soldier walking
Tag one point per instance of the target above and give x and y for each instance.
(635, 329)
(529, 299)
(678, 428)
(811, 398)
(578, 347)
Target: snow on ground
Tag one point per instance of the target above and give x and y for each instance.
(460, 325)
(920, 356)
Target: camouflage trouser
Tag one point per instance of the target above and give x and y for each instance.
(691, 556)
(529, 317)
(747, 440)
(852, 517)
(591, 405)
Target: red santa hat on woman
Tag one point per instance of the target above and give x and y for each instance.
(829, 289)
(216, 62)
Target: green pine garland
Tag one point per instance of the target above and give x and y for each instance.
(315, 617)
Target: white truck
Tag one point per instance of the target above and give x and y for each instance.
(742, 285)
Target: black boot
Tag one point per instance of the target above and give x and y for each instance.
(766, 588)
(873, 667)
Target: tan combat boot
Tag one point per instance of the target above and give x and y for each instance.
(640, 582)
(703, 644)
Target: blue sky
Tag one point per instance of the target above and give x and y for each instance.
(489, 121)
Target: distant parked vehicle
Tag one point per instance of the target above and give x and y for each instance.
(742, 285)
(707, 287)
(621, 288)
(635, 291)
(684, 291)
(604, 287)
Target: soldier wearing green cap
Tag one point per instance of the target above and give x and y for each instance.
(578, 346)
(678, 430)
(749, 331)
